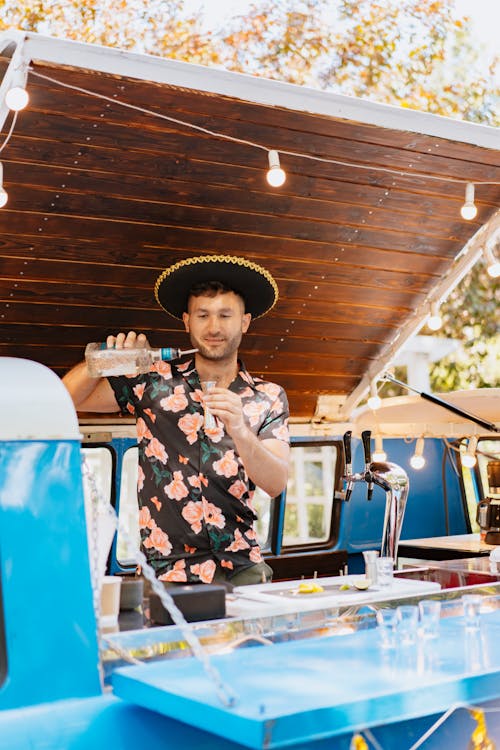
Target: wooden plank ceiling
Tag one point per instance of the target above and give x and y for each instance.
(102, 198)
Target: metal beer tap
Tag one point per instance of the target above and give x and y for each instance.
(348, 466)
(391, 478)
(366, 439)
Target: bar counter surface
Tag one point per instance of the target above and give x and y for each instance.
(445, 547)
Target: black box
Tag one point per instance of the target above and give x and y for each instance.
(199, 601)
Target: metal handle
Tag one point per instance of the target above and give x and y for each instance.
(367, 447)
(347, 450)
(348, 464)
(366, 438)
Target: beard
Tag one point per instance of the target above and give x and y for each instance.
(220, 351)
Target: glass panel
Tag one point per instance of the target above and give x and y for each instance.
(129, 542)
(309, 496)
(262, 506)
(99, 461)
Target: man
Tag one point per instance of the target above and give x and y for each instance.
(196, 484)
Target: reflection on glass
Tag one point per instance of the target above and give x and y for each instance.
(127, 546)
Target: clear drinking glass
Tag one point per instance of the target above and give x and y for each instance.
(472, 609)
(210, 422)
(430, 617)
(386, 622)
(407, 624)
(385, 572)
(370, 556)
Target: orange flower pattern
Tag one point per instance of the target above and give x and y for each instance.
(195, 497)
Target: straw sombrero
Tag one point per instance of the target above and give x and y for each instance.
(252, 282)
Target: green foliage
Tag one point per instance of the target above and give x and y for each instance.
(471, 315)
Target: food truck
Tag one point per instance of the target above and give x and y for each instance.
(119, 165)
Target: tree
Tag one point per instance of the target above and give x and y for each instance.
(415, 53)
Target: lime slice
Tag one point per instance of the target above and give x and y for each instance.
(361, 584)
(344, 587)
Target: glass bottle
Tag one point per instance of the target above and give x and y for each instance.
(104, 362)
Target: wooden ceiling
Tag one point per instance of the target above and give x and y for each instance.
(103, 197)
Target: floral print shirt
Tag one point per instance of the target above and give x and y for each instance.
(195, 497)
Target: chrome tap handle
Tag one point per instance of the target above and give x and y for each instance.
(347, 452)
(366, 438)
(348, 464)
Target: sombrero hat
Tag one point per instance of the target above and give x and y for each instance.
(252, 282)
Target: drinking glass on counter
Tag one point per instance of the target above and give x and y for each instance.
(386, 622)
(385, 572)
(472, 609)
(407, 624)
(430, 617)
(370, 557)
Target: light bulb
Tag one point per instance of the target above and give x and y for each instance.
(379, 453)
(275, 175)
(469, 210)
(469, 459)
(3, 193)
(16, 98)
(417, 461)
(493, 264)
(374, 402)
(434, 321)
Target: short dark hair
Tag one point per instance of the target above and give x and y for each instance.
(212, 289)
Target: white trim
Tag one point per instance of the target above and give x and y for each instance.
(250, 88)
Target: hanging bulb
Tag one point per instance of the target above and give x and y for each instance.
(275, 175)
(17, 97)
(379, 453)
(493, 264)
(469, 210)
(417, 461)
(3, 193)
(434, 321)
(374, 401)
(469, 459)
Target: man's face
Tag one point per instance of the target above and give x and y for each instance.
(216, 324)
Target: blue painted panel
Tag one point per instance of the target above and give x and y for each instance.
(304, 691)
(50, 628)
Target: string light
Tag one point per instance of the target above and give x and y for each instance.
(3, 193)
(469, 458)
(434, 322)
(224, 136)
(417, 461)
(17, 97)
(275, 175)
(374, 402)
(493, 264)
(469, 209)
(379, 453)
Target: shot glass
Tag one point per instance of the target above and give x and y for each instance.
(472, 608)
(210, 422)
(385, 572)
(370, 557)
(430, 617)
(407, 624)
(386, 624)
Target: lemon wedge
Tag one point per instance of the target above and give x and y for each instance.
(310, 588)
